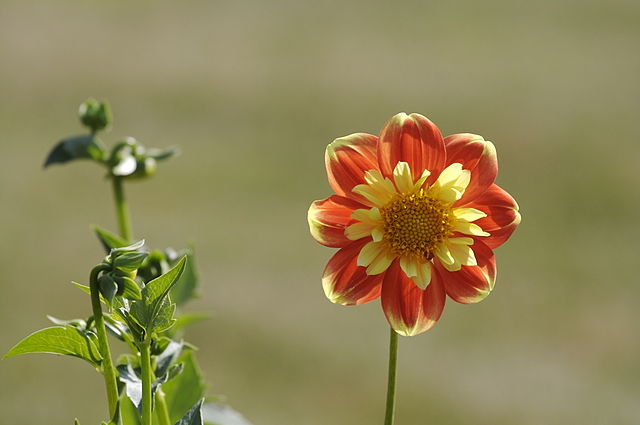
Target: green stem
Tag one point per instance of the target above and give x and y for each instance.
(108, 370)
(124, 219)
(391, 383)
(145, 364)
(162, 411)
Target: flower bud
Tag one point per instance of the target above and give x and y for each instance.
(95, 114)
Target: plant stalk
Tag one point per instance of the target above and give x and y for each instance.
(391, 382)
(161, 408)
(108, 371)
(145, 364)
(122, 209)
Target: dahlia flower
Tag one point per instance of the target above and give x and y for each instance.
(415, 217)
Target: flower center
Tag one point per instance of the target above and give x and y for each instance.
(415, 224)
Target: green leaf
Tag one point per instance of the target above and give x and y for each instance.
(65, 340)
(220, 414)
(186, 287)
(155, 311)
(193, 416)
(109, 240)
(183, 391)
(159, 287)
(76, 323)
(108, 286)
(162, 154)
(130, 261)
(187, 319)
(168, 357)
(130, 288)
(132, 383)
(163, 320)
(115, 252)
(129, 414)
(76, 147)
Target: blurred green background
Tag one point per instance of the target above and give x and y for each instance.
(253, 92)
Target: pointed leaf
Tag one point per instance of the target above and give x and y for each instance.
(183, 391)
(186, 287)
(162, 154)
(168, 357)
(129, 414)
(132, 384)
(193, 416)
(76, 323)
(159, 287)
(76, 147)
(60, 340)
(109, 240)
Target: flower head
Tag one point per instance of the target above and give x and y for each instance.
(416, 218)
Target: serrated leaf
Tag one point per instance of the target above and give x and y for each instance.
(155, 311)
(164, 320)
(193, 415)
(65, 340)
(219, 414)
(186, 287)
(76, 147)
(183, 391)
(109, 240)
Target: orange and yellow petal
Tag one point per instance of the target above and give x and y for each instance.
(412, 139)
(376, 257)
(347, 159)
(476, 155)
(328, 219)
(502, 217)
(368, 223)
(471, 284)
(409, 309)
(417, 269)
(378, 190)
(451, 183)
(344, 282)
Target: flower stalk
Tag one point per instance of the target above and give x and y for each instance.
(391, 382)
(108, 371)
(122, 209)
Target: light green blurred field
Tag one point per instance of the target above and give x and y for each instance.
(252, 92)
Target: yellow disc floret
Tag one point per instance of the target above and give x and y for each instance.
(416, 224)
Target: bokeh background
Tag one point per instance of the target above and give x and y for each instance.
(253, 92)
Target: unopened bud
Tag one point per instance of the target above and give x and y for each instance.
(95, 114)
